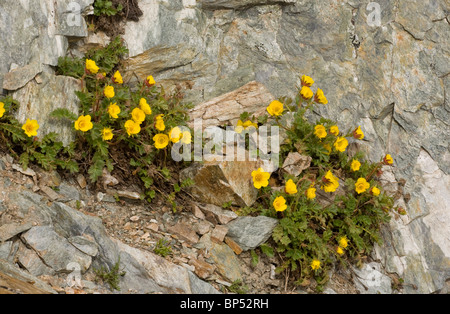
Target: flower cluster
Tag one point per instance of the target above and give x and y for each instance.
(347, 186)
(134, 119)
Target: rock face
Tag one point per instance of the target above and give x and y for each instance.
(39, 99)
(389, 77)
(34, 34)
(64, 236)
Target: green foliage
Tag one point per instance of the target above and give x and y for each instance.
(341, 224)
(47, 151)
(106, 7)
(106, 58)
(111, 277)
(237, 287)
(146, 162)
(162, 248)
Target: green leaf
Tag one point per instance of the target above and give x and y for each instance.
(24, 160)
(96, 169)
(15, 130)
(267, 250)
(255, 258)
(63, 113)
(148, 182)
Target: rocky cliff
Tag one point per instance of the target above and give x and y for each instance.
(384, 65)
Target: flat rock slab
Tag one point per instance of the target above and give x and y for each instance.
(224, 258)
(8, 231)
(251, 232)
(16, 281)
(370, 280)
(55, 251)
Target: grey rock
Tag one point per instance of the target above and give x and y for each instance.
(31, 283)
(216, 214)
(28, 259)
(251, 232)
(223, 257)
(17, 78)
(40, 99)
(5, 250)
(370, 280)
(165, 275)
(55, 250)
(68, 192)
(7, 231)
(35, 34)
(236, 4)
(390, 79)
(84, 245)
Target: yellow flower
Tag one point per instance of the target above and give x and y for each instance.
(315, 264)
(358, 134)
(241, 126)
(161, 140)
(138, 115)
(84, 123)
(2, 109)
(388, 160)
(330, 182)
(30, 127)
(150, 81)
(159, 124)
(339, 250)
(334, 130)
(320, 97)
(275, 108)
(320, 131)
(306, 92)
(291, 187)
(260, 178)
(117, 78)
(361, 185)
(132, 127)
(186, 138)
(107, 134)
(109, 92)
(343, 242)
(307, 81)
(341, 144)
(175, 135)
(249, 124)
(280, 204)
(145, 106)
(91, 66)
(114, 110)
(355, 165)
(376, 191)
(311, 193)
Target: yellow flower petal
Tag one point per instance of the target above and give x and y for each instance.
(30, 127)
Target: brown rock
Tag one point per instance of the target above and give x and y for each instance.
(50, 192)
(219, 233)
(216, 214)
(295, 163)
(219, 182)
(184, 232)
(202, 268)
(233, 245)
(252, 98)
